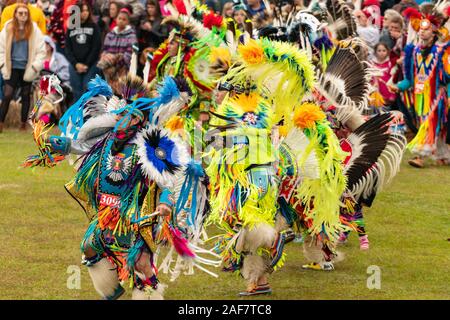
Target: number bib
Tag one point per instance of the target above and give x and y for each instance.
(109, 200)
(420, 83)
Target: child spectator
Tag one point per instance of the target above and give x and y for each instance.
(239, 16)
(117, 48)
(56, 62)
(383, 63)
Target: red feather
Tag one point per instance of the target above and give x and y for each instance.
(436, 21)
(43, 84)
(212, 20)
(371, 3)
(179, 4)
(447, 11)
(157, 57)
(180, 244)
(411, 12)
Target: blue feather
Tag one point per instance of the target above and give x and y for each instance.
(193, 173)
(168, 91)
(168, 146)
(323, 41)
(409, 62)
(134, 253)
(74, 115)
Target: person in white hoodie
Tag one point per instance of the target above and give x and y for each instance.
(22, 54)
(56, 62)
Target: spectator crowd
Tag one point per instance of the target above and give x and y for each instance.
(43, 36)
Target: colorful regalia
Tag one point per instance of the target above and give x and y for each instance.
(267, 82)
(127, 171)
(195, 30)
(427, 75)
(341, 91)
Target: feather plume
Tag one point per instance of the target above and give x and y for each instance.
(74, 118)
(346, 79)
(132, 87)
(211, 20)
(230, 36)
(339, 10)
(161, 156)
(375, 159)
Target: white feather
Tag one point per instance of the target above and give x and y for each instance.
(166, 111)
(106, 121)
(133, 63)
(146, 71)
(297, 142)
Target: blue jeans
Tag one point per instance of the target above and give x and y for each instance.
(79, 81)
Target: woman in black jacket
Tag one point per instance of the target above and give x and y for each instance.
(83, 45)
(151, 33)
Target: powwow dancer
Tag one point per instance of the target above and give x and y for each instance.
(427, 73)
(129, 166)
(186, 53)
(344, 99)
(243, 175)
(317, 31)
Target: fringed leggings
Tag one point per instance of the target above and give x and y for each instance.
(356, 220)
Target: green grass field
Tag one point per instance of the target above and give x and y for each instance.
(408, 226)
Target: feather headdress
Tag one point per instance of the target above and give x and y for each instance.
(173, 94)
(428, 16)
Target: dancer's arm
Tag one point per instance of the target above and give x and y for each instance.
(66, 145)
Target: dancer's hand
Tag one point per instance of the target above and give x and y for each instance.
(164, 209)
